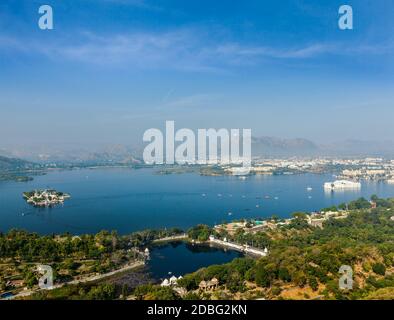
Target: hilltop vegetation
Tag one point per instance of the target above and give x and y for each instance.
(15, 169)
(304, 261)
(69, 256)
(8, 164)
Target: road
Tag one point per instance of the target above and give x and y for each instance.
(172, 238)
(83, 280)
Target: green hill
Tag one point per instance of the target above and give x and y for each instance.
(13, 169)
(13, 164)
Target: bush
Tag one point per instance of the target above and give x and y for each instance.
(200, 232)
(262, 276)
(276, 291)
(191, 296)
(313, 283)
(102, 292)
(379, 268)
(284, 275)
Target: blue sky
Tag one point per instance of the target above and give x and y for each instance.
(111, 69)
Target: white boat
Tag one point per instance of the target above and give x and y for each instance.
(309, 189)
(390, 181)
(342, 185)
(240, 171)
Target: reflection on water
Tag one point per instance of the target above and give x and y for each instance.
(179, 258)
(174, 259)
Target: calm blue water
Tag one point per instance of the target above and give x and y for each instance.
(165, 259)
(127, 200)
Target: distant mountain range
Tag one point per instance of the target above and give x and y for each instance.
(271, 147)
(112, 154)
(261, 146)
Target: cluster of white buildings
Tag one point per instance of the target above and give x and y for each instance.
(268, 166)
(365, 173)
(173, 281)
(369, 169)
(363, 167)
(45, 197)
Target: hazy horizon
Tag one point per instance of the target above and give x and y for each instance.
(112, 69)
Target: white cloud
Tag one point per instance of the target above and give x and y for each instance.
(182, 49)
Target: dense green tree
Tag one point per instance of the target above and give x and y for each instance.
(284, 275)
(200, 232)
(262, 276)
(312, 282)
(379, 268)
(102, 292)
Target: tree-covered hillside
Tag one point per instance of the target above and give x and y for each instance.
(8, 164)
(304, 261)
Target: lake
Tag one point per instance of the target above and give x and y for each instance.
(164, 259)
(164, 262)
(127, 200)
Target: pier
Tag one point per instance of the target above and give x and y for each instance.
(238, 247)
(172, 238)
